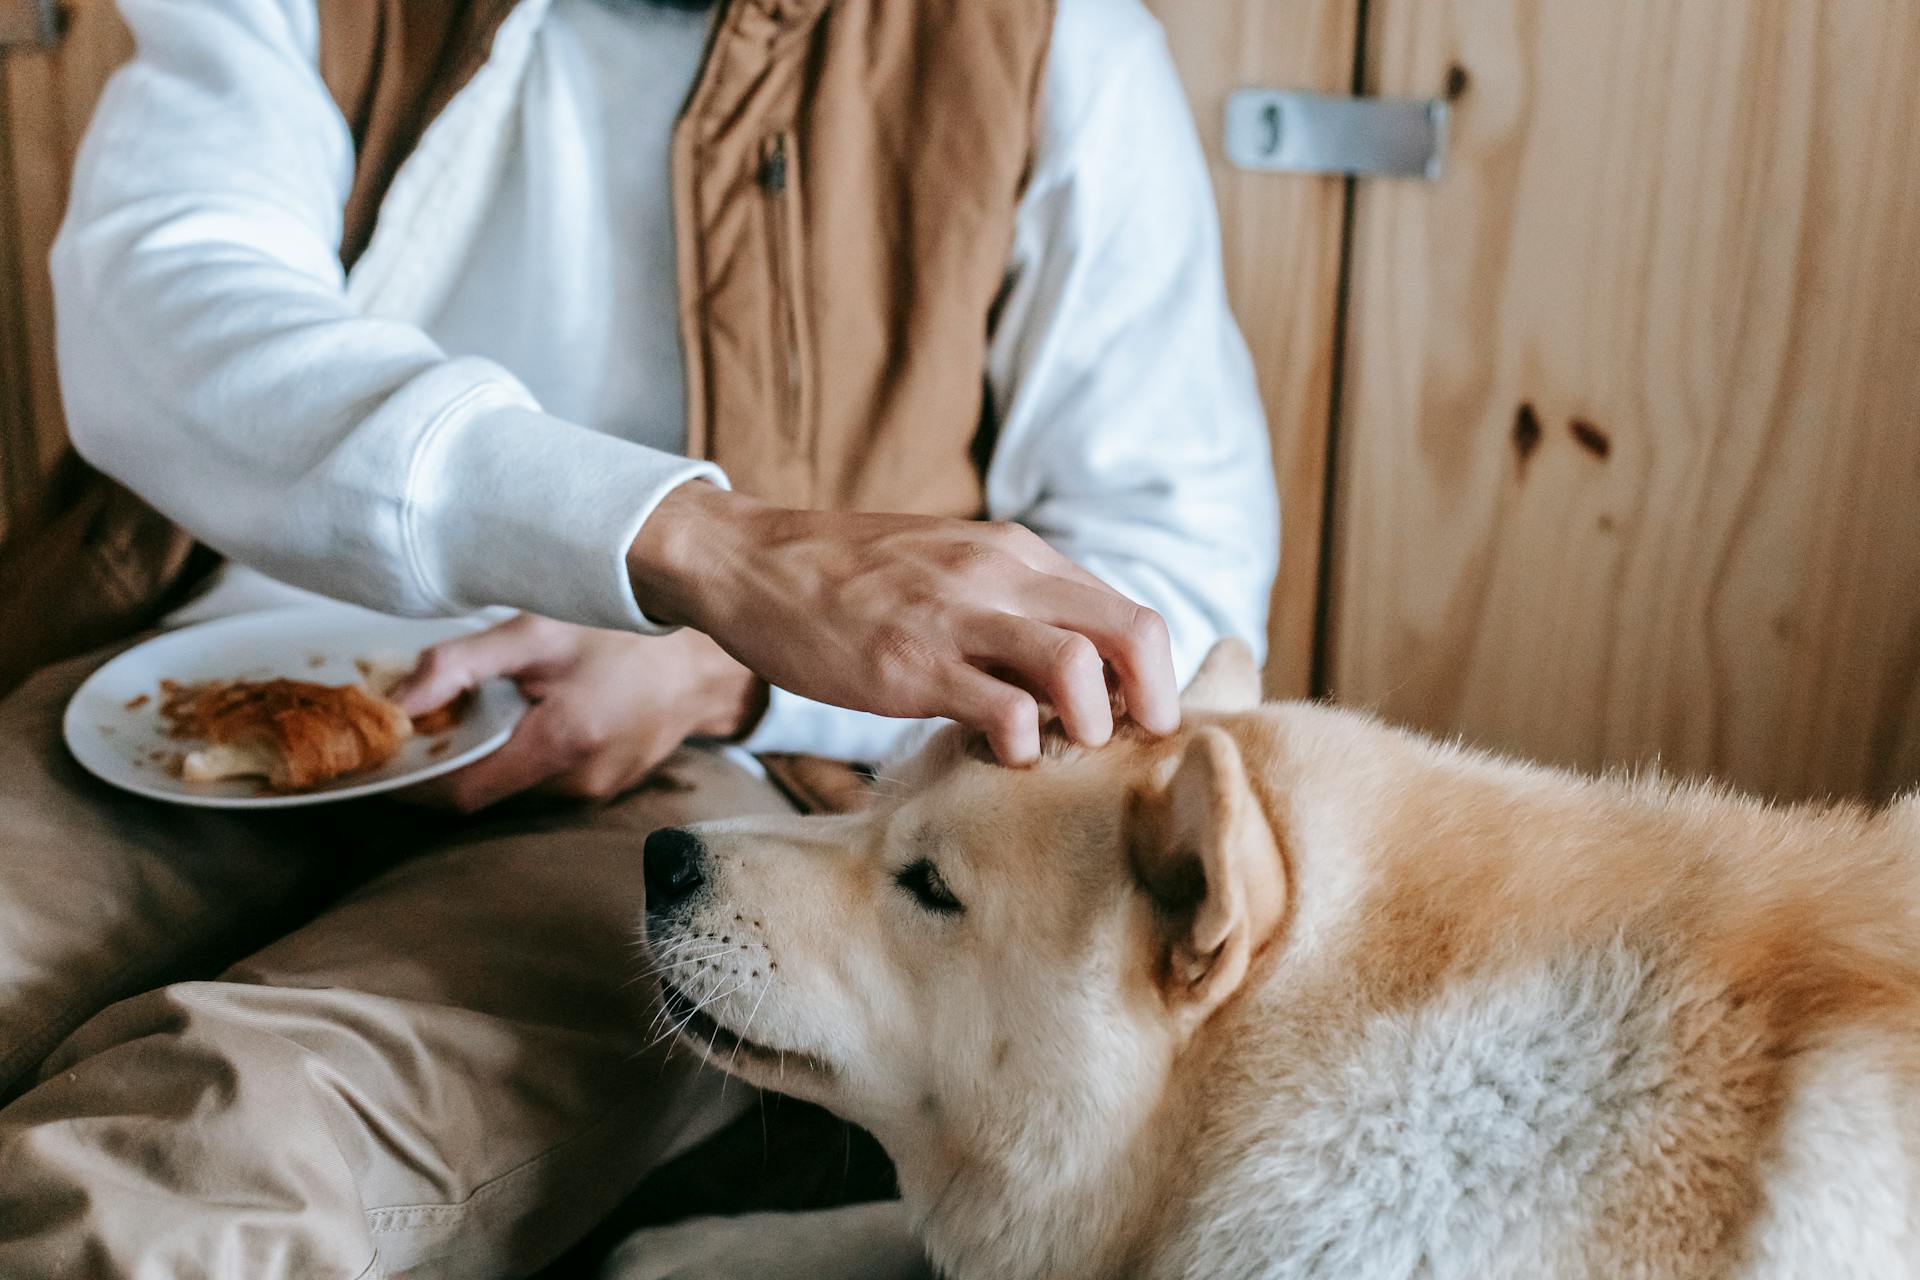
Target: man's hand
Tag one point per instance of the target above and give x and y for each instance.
(608, 707)
(907, 616)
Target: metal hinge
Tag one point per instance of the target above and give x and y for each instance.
(1316, 133)
(33, 24)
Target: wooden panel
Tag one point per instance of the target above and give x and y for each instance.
(18, 474)
(28, 22)
(1282, 247)
(1630, 460)
(46, 98)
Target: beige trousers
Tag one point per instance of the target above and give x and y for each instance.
(446, 1072)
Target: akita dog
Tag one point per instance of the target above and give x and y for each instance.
(1292, 993)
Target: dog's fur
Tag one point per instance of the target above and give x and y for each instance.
(1295, 994)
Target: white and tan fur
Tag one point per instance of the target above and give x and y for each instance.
(1295, 994)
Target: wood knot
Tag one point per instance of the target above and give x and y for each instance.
(1526, 431)
(1591, 438)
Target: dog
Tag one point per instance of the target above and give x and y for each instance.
(1291, 993)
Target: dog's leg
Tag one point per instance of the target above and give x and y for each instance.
(857, 1242)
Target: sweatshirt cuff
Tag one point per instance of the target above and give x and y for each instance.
(516, 507)
(800, 725)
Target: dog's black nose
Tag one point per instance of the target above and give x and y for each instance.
(673, 867)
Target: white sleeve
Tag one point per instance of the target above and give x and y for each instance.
(210, 358)
(1131, 433)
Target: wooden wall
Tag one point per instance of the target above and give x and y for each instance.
(1629, 466)
(46, 98)
(17, 470)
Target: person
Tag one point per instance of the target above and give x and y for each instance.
(698, 338)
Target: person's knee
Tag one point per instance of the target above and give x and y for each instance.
(184, 1123)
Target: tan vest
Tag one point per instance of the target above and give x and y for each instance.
(845, 177)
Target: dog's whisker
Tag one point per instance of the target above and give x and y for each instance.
(684, 950)
(671, 1033)
(659, 1016)
(717, 953)
(680, 962)
(746, 1029)
(665, 962)
(687, 1020)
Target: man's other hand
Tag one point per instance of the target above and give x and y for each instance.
(608, 706)
(908, 616)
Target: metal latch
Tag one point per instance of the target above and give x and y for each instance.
(33, 23)
(1318, 133)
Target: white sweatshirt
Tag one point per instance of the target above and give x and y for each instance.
(486, 409)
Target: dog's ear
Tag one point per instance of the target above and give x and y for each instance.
(1206, 855)
(1226, 681)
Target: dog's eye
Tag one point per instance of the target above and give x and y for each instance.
(922, 880)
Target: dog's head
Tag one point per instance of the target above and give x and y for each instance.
(991, 967)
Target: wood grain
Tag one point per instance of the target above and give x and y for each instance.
(19, 475)
(46, 99)
(1281, 241)
(1630, 456)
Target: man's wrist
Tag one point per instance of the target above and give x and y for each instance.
(727, 700)
(682, 549)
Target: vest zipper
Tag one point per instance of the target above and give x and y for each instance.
(777, 180)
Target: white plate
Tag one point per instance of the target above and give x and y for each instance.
(126, 744)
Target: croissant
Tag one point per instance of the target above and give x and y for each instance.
(295, 734)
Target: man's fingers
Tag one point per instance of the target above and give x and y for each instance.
(447, 670)
(1061, 664)
(1008, 715)
(1141, 653)
(1129, 637)
(530, 757)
